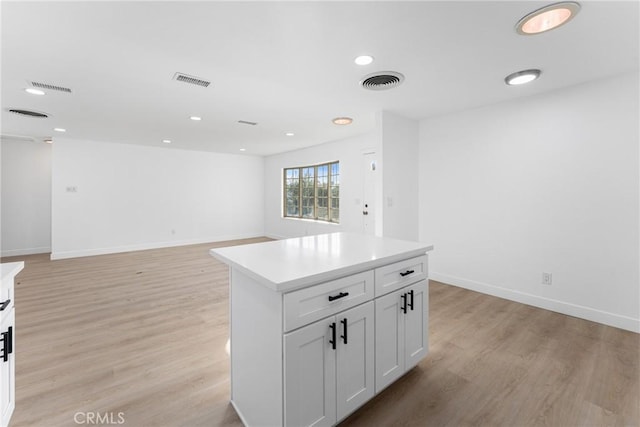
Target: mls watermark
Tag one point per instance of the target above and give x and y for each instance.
(99, 418)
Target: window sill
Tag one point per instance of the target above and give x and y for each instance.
(314, 221)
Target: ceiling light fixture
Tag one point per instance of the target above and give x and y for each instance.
(48, 140)
(243, 149)
(547, 18)
(522, 77)
(363, 60)
(166, 141)
(33, 91)
(342, 121)
(289, 134)
(59, 129)
(195, 118)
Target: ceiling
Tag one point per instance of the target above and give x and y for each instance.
(286, 65)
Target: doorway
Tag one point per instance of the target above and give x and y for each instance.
(369, 166)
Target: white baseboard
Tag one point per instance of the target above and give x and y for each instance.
(145, 246)
(28, 251)
(599, 316)
(275, 236)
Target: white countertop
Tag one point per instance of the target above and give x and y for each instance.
(288, 264)
(9, 270)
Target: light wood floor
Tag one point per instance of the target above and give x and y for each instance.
(143, 334)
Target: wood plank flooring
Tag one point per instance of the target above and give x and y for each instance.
(143, 334)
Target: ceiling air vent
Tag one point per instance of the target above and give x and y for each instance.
(50, 87)
(382, 80)
(191, 80)
(6, 137)
(28, 113)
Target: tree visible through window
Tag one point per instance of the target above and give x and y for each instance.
(313, 192)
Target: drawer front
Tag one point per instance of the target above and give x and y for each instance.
(315, 302)
(395, 276)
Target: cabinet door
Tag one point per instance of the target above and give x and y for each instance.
(354, 364)
(416, 324)
(7, 373)
(389, 348)
(310, 375)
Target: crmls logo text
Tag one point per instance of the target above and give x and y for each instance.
(98, 418)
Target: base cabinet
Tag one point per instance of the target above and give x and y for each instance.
(401, 330)
(7, 368)
(328, 368)
(8, 272)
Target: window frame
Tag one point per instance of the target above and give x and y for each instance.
(329, 208)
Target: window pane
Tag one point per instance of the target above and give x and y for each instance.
(292, 192)
(308, 202)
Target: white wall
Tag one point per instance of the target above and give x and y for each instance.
(135, 197)
(400, 147)
(542, 184)
(25, 197)
(349, 152)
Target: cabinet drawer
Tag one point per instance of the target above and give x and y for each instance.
(399, 274)
(315, 302)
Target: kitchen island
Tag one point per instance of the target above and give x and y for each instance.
(320, 324)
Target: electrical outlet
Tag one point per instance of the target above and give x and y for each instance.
(546, 278)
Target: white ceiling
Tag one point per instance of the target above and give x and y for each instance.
(286, 65)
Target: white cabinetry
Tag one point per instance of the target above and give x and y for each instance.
(7, 366)
(8, 272)
(315, 321)
(328, 368)
(401, 332)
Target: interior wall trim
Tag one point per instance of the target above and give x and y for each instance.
(145, 246)
(26, 251)
(587, 313)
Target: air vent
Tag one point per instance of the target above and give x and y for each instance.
(244, 122)
(6, 137)
(382, 80)
(28, 113)
(191, 80)
(50, 87)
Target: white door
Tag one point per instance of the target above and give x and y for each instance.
(354, 364)
(416, 323)
(310, 375)
(7, 368)
(389, 339)
(369, 167)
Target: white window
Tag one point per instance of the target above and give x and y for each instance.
(313, 192)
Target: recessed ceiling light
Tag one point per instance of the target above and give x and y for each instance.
(522, 77)
(342, 121)
(243, 149)
(33, 91)
(547, 18)
(59, 129)
(48, 141)
(166, 141)
(195, 118)
(289, 134)
(363, 60)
